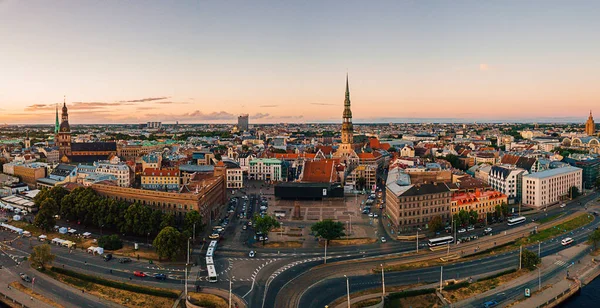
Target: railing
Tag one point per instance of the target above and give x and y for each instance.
(13, 300)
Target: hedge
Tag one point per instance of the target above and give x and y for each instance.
(455, 286)
(510, 271)
(410, 293)
(116, 284)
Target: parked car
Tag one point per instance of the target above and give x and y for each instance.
(160, 276)
(470, 228)
(244, 227)
(251, 254)
(375, 215)
(107, 257)
(124, 260)
(563, 205)
(383, 240)
(25, 277)
(487, 230)
(462, 230)
(371, 214)
(139, 274)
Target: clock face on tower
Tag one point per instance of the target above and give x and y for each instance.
(64, 129)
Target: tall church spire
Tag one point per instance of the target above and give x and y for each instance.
(347, 129)
(56, 123)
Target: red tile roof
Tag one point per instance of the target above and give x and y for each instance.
(319, 171)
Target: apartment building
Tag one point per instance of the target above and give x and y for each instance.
(481, 201)
(266, 169)
(164, 180)
(507, 179)
(550, 186)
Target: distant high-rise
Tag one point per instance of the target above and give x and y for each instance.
(156, 125)
(590, 126)
(243, 122)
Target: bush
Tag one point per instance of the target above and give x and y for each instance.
(116, 284)
(110, 242)
(410, 293)
(456, 286)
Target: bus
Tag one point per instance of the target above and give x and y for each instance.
(212, 273)
(566, 241)
(213, 244)
(440, 241)
(516, 220)
(209, 261)
(210, 252)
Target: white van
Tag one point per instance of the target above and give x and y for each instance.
(566, 241)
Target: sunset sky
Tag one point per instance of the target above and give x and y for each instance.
(286, 61)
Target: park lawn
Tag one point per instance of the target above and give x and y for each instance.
(122, 297)
(557, 230)
(549, 218)
(17, 285)
(208, 300)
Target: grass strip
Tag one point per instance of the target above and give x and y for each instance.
(557, 230)
(549, 218)
(510, 271)
(116, 284)
(409, 293)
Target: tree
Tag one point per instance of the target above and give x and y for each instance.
(529, 259)
(41, 256)
(110, 242)
(501, 210)
(328, 229)
(435, 224)
(192, 218)
(392, 150)
(473, 216)
(574, 192)
(168, 243)
(594, 238)
(361, 182)
(168, 220)
(265, 224)
(45, 217)
(462, 218)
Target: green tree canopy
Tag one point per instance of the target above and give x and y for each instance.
(44, 219)
(168, 220)
(529, 259)
(436, 224)
(473, 217)
(110, 242)
(168, 243)
(192, 218)
(41, 256)
(265, 224)
(594, 238)
(328, 229)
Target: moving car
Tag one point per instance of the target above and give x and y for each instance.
(383, 240)
(489, 304)
(25, 277)
(487, 230)
(139, 274)
(108, 257)
(251, 254)
(124, 260)
(160, 276)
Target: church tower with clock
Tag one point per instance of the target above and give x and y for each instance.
(64, 135)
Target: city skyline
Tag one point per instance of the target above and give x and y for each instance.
(208, 63)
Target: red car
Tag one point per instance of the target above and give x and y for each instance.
(139, 274)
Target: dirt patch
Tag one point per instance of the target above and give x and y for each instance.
(144, 253)
(122, 297)
(366, 303)
(420, 301)
(481, 287)
(208, 300)
(17, 285)
(287, 244)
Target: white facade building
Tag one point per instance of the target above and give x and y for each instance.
(550, 186)
(265, 169)
(507, 180)
(119, 171)
(235, 178)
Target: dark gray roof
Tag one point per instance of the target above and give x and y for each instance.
(63, 170)
(426, 189)
(93, 146)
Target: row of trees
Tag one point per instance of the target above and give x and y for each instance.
(90, 209)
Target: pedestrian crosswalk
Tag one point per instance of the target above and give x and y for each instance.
(560, 263)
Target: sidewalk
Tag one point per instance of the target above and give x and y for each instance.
(13, 295)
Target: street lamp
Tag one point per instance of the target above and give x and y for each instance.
(418, 239)
(383, 284)
(348, 289)
(230, 290)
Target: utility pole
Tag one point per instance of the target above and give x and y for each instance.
(539, 279)
(417, 240)
(382, 283)
(441, 279)
(520, 252)
(230, 291)
(186, 268)
(539, 249)
(325, 260)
